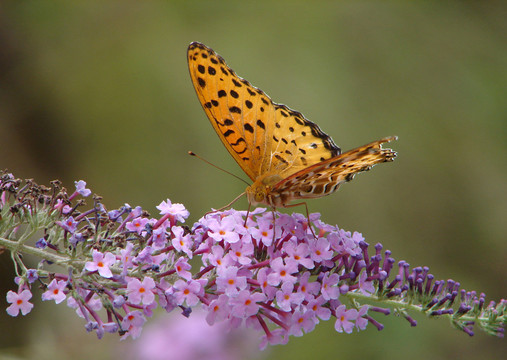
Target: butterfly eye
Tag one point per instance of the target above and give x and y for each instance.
(259, 196)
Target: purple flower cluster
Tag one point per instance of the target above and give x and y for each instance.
(272, 272)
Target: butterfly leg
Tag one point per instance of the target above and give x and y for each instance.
(228, 205)
(274, 222)
(307, 215)
(247, 213)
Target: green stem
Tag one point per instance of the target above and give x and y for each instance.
(401, 305)
(15, 246)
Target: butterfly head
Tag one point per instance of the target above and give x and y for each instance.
(260, 191)
(257, 194)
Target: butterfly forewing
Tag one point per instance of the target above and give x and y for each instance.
(262, 136)
(215, 89)
(298, 142)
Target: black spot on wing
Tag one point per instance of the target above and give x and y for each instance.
(248, 128)
(242, 151)
(239, 141)
(315, 130)
(349, 177)
(281, 159)
(299, 121)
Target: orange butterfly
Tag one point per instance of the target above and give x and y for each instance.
(286, 155)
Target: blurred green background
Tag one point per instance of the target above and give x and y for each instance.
(100, 91)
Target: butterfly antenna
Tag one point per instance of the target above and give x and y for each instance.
(191, 153)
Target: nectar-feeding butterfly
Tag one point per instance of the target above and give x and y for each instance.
(287, 156)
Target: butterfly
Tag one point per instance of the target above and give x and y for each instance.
(287, 156)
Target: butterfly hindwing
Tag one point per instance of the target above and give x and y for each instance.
(325, 177)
